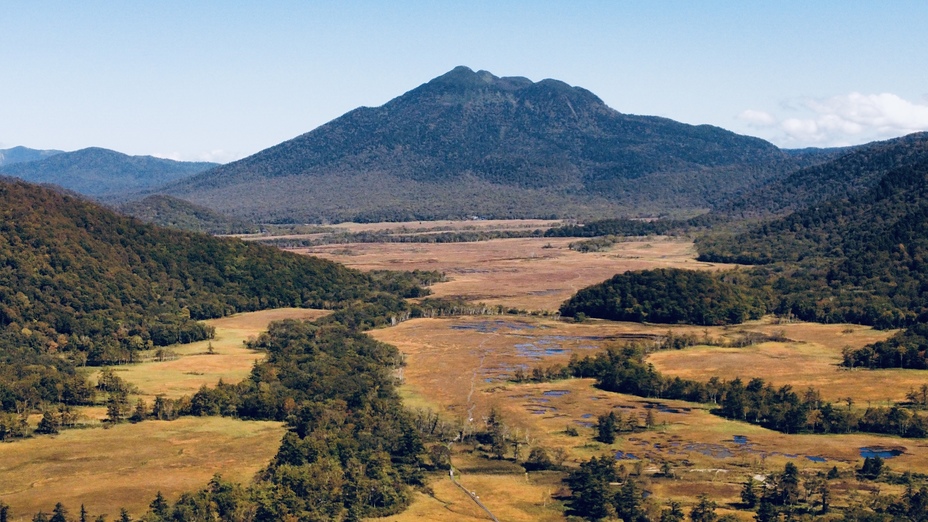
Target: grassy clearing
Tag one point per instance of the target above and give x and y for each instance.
(527, 273)
(811, 358)
(195, 366)
(125, 466)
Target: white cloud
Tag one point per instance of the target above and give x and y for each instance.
(215, 156)
(841, 120)
(757, 118)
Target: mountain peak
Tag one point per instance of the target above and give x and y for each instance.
(465, 77)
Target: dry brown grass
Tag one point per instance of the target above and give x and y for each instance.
(195, 367)
(812, 358)
(528, 273)
(451, 360)
(125, 466)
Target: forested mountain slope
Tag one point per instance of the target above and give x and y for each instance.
(80, 284)
(470, 143)
(21, 154)
(171, 212)
(103, 173)
(854, 170)
(872, 245)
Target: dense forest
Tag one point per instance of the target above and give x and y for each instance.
(81, 285)
(167, 211)
(858, 259)
(669, 296)
(847, 173)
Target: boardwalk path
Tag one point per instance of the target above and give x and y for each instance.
(472, 496)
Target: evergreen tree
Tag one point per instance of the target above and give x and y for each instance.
(141, 411)
(871, 468)
(606, 428)
(704, 510)
(766, 511)
(627, 503)
(59, 514)
(49, 423)
(589, 485)
(788, 492)
(672, 513)
(749, 493)
(117, 406)
(160, 507)
(497, 432)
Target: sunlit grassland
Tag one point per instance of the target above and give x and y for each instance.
(524, 273)
(811, 357)
(126, 465)
(461, 368)
(192, 366)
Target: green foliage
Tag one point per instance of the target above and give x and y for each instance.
(81, 285)
(622, 369)
(167, 211)
(905, 349)
(669, 296)
(841, 175)
(538, 460)
(593, 497)
(352, 448)
(858, 260)
(871, 468)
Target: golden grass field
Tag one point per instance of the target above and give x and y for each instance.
(525, 273)
(195, 367)
(458, 366)
(126, 465)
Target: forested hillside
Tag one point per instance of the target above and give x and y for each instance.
(668, 296)
(21, 154)
(103, 173)
(80, 284)
(470, 143)
(852, 171)
(167, 211)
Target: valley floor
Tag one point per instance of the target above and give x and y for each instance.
(461, 367)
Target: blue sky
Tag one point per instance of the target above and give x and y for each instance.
(222, 80)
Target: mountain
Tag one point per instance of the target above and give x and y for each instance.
(171, 212)
(852, 171)
(471, 143)
(23, 154)
(103, 173)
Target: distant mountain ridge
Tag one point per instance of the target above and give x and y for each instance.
(471, 143)
(23, 154)
(853, 171)
(103, 173)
